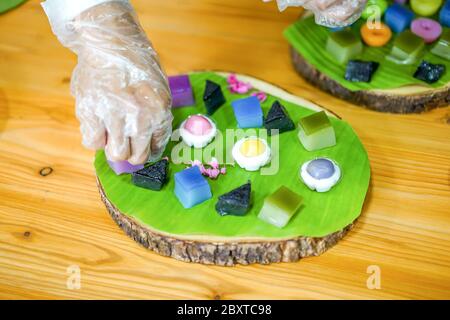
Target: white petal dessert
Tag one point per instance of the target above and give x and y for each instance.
(198, 131)
(320, 174)
(251, 153)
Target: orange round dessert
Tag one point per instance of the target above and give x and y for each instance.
(376, 37)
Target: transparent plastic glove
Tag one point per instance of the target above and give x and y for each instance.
(329, 13)
(122, 95)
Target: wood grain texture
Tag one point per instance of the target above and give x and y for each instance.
(48, 223)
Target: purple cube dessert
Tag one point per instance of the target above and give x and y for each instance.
(248, 112)
(181, 89)
(120, 167)
(191, 188)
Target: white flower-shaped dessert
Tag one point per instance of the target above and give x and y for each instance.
(251, 153)
(198, 131)
(320, 174)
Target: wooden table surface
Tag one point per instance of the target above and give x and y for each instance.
(48, 223)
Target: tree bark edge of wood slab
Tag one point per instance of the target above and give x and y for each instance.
(223, 254)
(374, 100)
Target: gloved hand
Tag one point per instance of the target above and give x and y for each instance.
(330, 13)
(122, 96)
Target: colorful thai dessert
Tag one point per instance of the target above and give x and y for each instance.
(181, 89)
(320, 174)
(198, 131)
(316, 131)
(442, 47)
(398, 17)
(278, 119)
(251, 153)
(248, 112)
(373, 61)
(213, 97)
(121, 167)
(344, 45)
(407, 48)
(428, 72)
(152, 177)
(191, 188)
(236, 202)
(280, 207)
(360, 71)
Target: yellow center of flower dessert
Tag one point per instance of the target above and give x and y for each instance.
(252, 148)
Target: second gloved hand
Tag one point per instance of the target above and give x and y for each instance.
(330, 13)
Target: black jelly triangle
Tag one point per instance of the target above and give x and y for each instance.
(241, 194)
(157, 171)
(210, 89)
(276, 112)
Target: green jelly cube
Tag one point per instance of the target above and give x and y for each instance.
(280, 207)
(316, 131)
(407, 48)
(442, 48)
(344, 45)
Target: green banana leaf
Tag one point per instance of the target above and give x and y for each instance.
(321, 214)
(309, 39)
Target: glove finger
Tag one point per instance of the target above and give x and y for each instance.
(117, 144)
(159, 141)
(140, 149)
(324, 4)
(338, 14)
(92, 128)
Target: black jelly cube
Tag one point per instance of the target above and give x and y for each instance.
(236, 202)
(278, 118)
(213, 97)
(428, 72)
(360, 71)
(152, 177)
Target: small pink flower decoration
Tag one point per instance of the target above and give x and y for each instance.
(237, 86)
(241, 87)
(262, 96)
(214, 163)
(213, 171)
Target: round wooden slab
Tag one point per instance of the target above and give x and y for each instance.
(222, 250)
(411, 99)
(222, 253)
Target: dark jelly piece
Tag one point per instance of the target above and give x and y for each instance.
(213, 97)
(278, 118)
(428, 72)
(236, 202)
(360, 71)
(152, 177)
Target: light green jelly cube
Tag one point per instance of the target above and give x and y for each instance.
(344, 45)
(407, 48)
(280, 207)
(316, 132)
(442, 48)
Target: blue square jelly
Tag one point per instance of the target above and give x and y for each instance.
(191, 188)
(248, 112)
(398, 17)
(444, 14)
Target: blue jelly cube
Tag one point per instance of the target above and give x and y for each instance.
(248, 112)
(191, 188)
(444, 15)
(398, 17)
